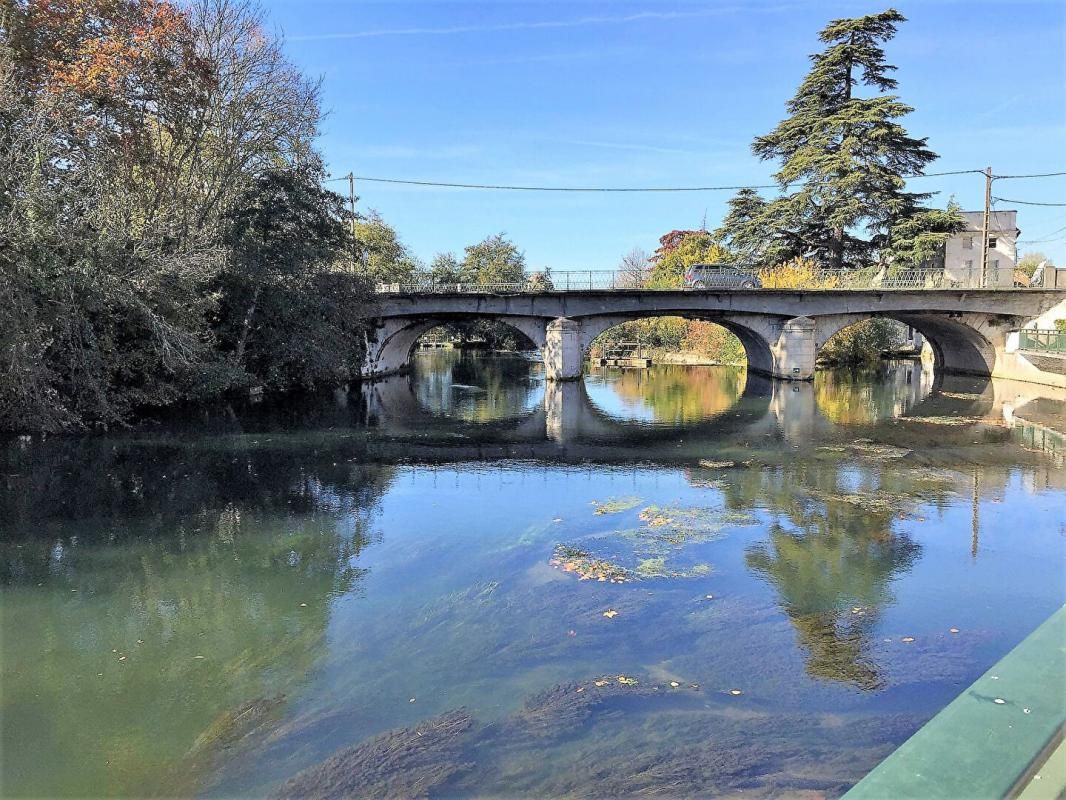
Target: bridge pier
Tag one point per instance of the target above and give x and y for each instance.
(564, 355)
(795, 350)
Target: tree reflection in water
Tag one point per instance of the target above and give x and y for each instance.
(833, 585)
(165, 595)
(676, 393)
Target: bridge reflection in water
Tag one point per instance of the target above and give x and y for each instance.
(565, 422)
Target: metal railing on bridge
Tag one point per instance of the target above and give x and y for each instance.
(1042, 341)
(621, 280)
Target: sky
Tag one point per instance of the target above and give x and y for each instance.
(647, 93)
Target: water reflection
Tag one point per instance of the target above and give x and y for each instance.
(216, 606)
(669, 394)
(687, 410)
(149, 626)
(847, 397)
(474, 388)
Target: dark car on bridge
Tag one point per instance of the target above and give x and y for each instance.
(719, 276)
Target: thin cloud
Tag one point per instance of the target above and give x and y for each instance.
(525, 26)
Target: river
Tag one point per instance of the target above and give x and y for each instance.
(680, 581)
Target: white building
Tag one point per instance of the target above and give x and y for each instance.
(962, 252)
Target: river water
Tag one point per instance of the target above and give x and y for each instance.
(681, 581)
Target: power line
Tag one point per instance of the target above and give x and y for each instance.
(520, 188)
(1034, 175)
(1028, 202)
(650, 189)
(953, 172)
(1054, 237)
(513, 188)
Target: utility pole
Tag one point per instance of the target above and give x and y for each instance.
(351, 203)
(984, 228)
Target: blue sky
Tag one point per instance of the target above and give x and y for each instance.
(652, 94)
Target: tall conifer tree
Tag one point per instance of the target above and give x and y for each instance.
(848, 152)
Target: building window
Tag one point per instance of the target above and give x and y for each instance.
(967, 243)
(991, 242)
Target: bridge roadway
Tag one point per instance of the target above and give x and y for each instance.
(971, 331)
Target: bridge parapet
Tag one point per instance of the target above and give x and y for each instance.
(732, 277)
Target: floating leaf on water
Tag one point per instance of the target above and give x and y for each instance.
(585, 565)
(655, 517)
(601, 681)
(907, 639)
(716, 464)
(625, 680)
(610, 613)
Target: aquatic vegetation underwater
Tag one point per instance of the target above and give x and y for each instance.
(609, 736)
(616, 505)
(643, 552)
(404, 763)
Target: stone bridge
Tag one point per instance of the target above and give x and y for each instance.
(782, 330)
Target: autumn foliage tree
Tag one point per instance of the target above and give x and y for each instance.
(678, 250)
(132, 133)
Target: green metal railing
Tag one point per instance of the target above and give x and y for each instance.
(1042, 341)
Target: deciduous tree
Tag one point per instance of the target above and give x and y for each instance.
(495, 259)
(385, 259)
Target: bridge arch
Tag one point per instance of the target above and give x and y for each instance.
(389, 345)
(755, 332)
(961, 343)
